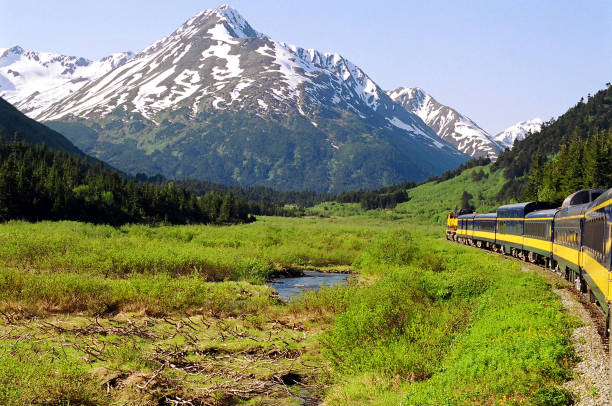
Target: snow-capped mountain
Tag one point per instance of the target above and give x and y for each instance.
(450, 125)
(32, 81)
(218, 100)
(216, 60)
(518, 132)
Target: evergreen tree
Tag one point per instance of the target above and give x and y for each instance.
(574, 176)
(37, 183)
(536, 177)
(465, 201)
(227, 208)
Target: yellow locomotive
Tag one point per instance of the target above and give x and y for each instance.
(451, 223)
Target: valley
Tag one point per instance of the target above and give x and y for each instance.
(224, 218)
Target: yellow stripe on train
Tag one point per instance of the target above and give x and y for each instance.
(538, 244)
(598, 273)
(569, 254)
(516, 239)
(484, 234)
(601, 206)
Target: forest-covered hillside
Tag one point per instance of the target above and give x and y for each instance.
(13, 121)
(37, 183)
(579, 127)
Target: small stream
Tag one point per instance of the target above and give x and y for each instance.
(288, 288)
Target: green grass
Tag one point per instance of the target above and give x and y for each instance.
(432, 201)
(244, 252)
(138, 314)
(446, 324)
(76, 267)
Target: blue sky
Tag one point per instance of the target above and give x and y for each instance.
(497, 62)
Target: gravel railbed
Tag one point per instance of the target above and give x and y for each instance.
(591, 382)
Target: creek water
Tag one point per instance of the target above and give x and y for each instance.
(288, 288)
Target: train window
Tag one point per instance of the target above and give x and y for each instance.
(568, 233)
(536, 229)
(594, 237)
(490, 226)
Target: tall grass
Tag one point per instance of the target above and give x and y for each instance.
(427, 322)
(77, 267)
(33, 373)
(159, 294)
(245, 252)
(445, 324)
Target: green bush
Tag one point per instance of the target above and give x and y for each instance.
(447, 324)
(553, 397)
(37, 374)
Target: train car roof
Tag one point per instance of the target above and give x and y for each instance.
(486, 216)
(549, 213)
(467, 216)
(519, 209)
(604, 197)
(575, 210)
(514, 206)
(582, 196)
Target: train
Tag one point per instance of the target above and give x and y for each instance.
(574, 240)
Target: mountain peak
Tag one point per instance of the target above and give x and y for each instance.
(450, 125)
(518, 132)
(17, 50)
(221, 24)
(228, 18)
(412, 98)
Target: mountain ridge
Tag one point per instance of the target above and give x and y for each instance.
(457, 129)
(235, 106)
(518, 132)
(33, 80)
(13, 121)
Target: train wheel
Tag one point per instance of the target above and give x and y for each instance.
(578, 283)
(592, 297)
(479, 244)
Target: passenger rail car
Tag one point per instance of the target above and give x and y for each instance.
(511, 225)
(465, 228)
(574, 240)
(484, 229)
(538, 236)
(596, 250)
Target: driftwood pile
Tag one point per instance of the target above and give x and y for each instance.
(195, 372)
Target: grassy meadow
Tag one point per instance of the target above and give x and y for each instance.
(136, 315)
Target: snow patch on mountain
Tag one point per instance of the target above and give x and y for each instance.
(216, 60)
(457, 129)
(32, 81)
(518, 132)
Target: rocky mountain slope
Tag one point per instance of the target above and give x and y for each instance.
(32, 81)
(517, 132)
(457, 129)
(217, 100)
